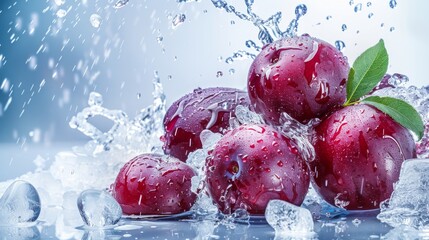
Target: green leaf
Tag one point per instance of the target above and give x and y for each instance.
(367, 71)
(400, 111)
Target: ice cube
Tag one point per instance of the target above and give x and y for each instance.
(288, 219)
(98, 208)
(409, 202)
(19, 204)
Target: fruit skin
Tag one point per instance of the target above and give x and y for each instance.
(154, 184)
(302, 76)
(253, 164)
(186, 118)
(359, 152)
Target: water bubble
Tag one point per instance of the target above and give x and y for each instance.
(358, 7)
(219, 74)
(95, 20)
(392, 3)
(98, 208)
(20, 203)
(120, 4)
(178, 20)
(61, 13)
(340, 45)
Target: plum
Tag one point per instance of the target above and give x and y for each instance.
(186, 118)
(154, 184)
(302, 76)
(253, 164)
(359, 152)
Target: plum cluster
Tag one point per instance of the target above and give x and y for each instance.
(358, 148)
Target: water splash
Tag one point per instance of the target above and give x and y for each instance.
(269, 29)
(138, 134)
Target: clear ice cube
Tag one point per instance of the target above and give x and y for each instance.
(288, 219)
(20, 203)
(409, 202)
(98, 208)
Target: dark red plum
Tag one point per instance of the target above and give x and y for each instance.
(209, 108)
(359, 152)
(153, 184)
(302, 76)
(252, 165)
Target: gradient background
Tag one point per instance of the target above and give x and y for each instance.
(118, 59)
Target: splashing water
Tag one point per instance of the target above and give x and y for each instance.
(269, 29)
(139, 134)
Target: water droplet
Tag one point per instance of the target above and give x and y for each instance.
(392, 4)
(351, 2)
(340, 45)
(300, 10)
(328, 17)
(95, 20)
(5, 85)
(59, 2)
(139, 95)
(159, 39)
(32, 62)
(368, 4)
(120, 4)
(344, 27)
(358, 7)
(219, 74)
(392, 29)
(61, 13)
(178, 20)
(231, 71)
(370, 15)
(232, 22)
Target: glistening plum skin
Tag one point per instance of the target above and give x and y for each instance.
(359, 152)
(252, 165)
(302, 76)
(153, 184)
(186, 118)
